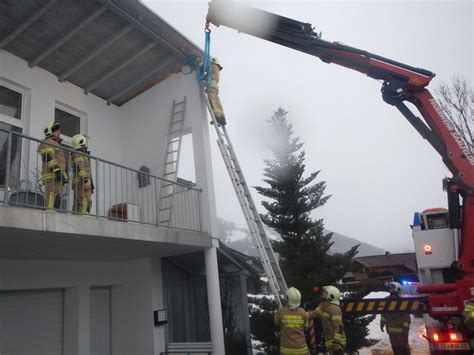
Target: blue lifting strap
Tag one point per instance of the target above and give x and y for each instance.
(203, 70)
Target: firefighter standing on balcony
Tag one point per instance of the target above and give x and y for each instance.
(213, 92)
(54, 165)
(293, 321)
(330, 314)
(398, 325)
(82, 178)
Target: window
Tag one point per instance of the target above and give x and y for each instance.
(70, 124)
(15, 155)
(10, 102)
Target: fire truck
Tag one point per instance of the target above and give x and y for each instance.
(444, 239)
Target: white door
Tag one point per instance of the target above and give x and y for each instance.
(100, 321)
(31, 322)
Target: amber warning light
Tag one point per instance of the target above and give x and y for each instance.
(427, 249)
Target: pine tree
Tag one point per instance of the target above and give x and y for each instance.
(292, 198)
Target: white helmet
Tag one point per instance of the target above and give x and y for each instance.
(79, 141)
(49, 128)
(331, 294)
(293, 296)
(395, 288)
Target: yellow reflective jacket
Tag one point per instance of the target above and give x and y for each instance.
(468, 315)
(81, 168)
(396, 323)
(333, 327)
(53, 158)
(292, 322)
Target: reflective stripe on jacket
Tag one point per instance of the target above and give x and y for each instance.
(81, 168)
(292, 323)
(54, 159)
(468, 315)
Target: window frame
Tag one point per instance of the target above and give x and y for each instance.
(24, 92)
(75, 112)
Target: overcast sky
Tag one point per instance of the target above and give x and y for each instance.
(377, 168)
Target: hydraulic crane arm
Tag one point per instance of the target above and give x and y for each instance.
(401, 82)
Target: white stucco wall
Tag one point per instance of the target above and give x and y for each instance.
(102, 122)
(136, 289)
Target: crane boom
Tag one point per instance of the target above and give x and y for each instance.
(401, 82)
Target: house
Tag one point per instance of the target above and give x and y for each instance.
(381, 268)
(99, 284)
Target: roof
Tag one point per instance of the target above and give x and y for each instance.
(403, 259)
(115, 49)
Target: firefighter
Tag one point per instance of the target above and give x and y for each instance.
(293, 322)
(468, 315)
(82, 178)
(330, 314)
(397, 325)
(213, 92)
(54, 165)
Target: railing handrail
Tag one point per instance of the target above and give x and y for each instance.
(70, 150)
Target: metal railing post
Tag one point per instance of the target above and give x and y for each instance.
(199, 211)
(7, 170)
(96, 188)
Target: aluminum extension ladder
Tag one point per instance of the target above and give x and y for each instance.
(262, 242)
(171, 162)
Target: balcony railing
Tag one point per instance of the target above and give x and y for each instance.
(120, 193)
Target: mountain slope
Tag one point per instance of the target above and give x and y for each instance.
(239, 239)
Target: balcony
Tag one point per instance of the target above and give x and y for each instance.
(126, 203)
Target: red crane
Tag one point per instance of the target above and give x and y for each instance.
(401, 84)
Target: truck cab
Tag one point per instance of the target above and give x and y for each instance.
(436, 248)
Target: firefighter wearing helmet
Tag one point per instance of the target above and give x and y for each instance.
(397, 325)
(330, 314)
(82, 177)
(54, 165)
(213, 92)
(293, 322)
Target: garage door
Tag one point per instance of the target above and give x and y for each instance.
(100, 321)
(31, 322)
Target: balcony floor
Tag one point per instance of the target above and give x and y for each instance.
(27, 233)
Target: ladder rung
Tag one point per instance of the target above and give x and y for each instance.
(165, 209)
(167, 196)
(175, 131)
(173, 151)
(165, 220)
(179, 103)
(171, 162)
(177, 121)
(177, 112)
(170, 173)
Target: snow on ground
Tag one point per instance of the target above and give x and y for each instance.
(418, 345)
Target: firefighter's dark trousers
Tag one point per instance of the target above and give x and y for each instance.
(399, 344)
